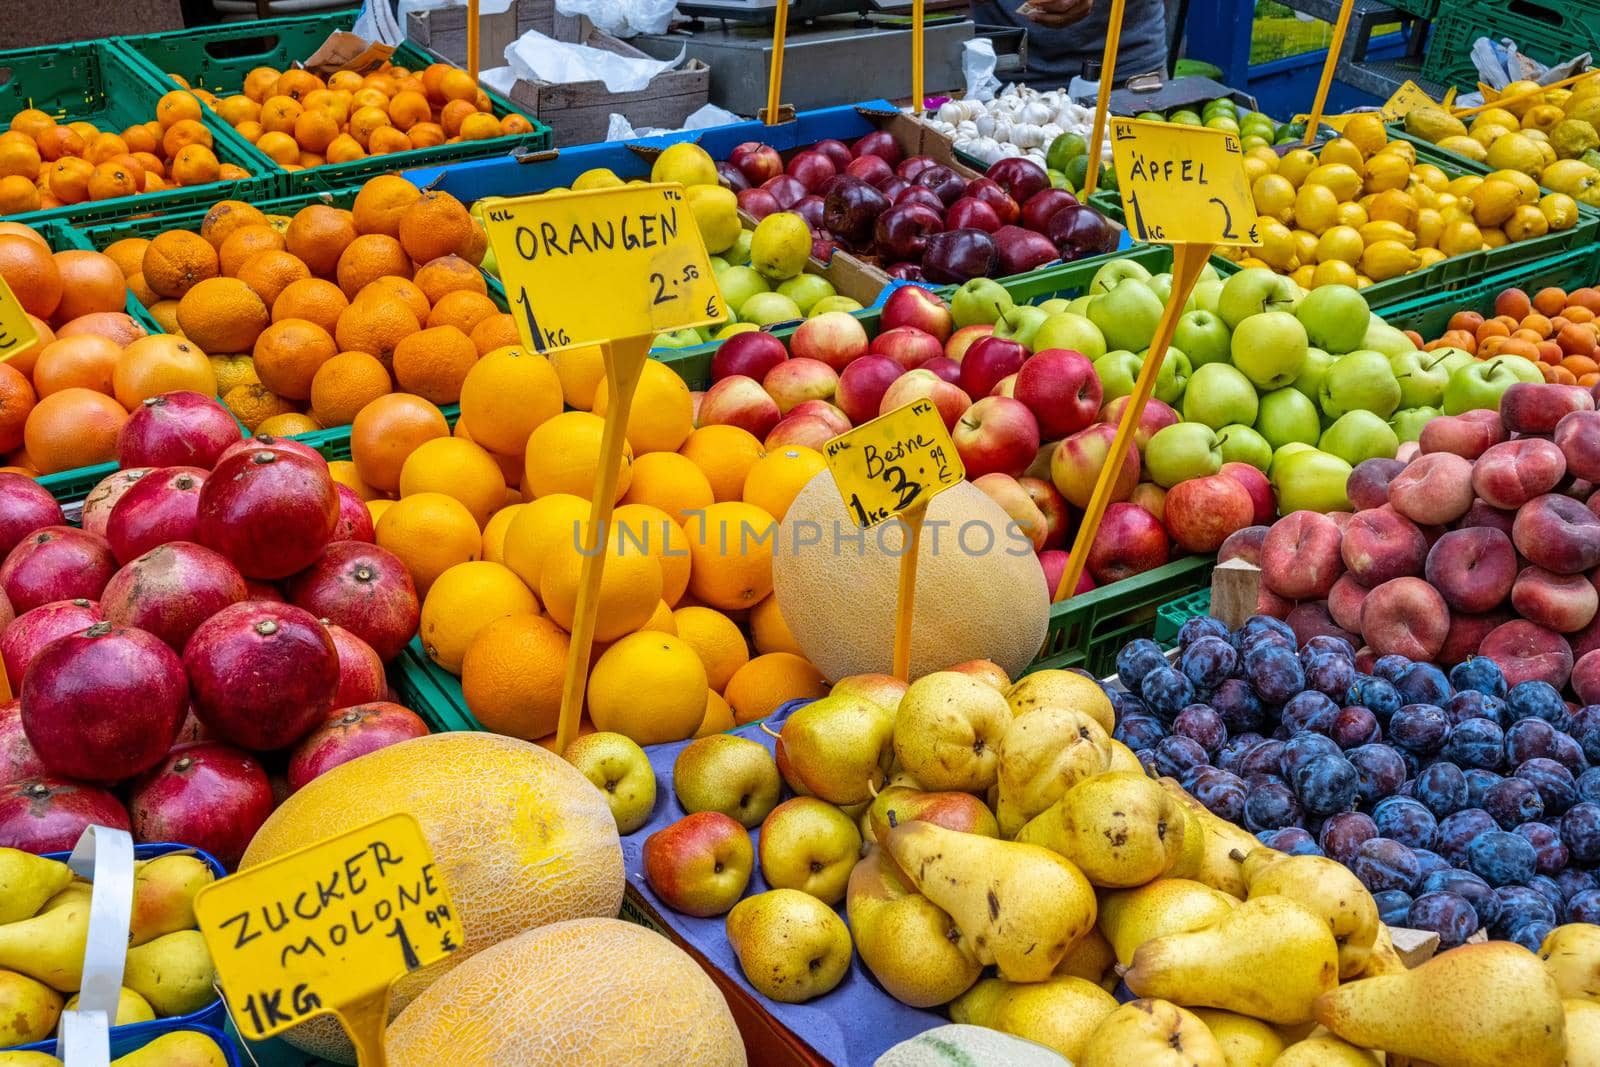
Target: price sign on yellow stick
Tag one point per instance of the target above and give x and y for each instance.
(1184, 186)
(17, 334)
(1335, 46)
(611, 267)
(327, 929)
(1102, 104)
(892, 467)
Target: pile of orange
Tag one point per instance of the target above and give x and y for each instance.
(299, 119)
(45, 164)
(1554, 328)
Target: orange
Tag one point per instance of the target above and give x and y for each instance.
(406, 109)
(426, 135)
(456, 468)
(539, 529)
(435, 225)
(90, 282)
(462, 601)
(73, 428)
(662, 416)
(319, 234)
(716, 640)
(513, 123)
(344, 81)
(563, 453)
(630, 589)
(19, 229)
(381, 202)
(397, 288)
(278, 114)
(109, 180)
(142, 292)
(116, 325)
(232, 371)
(388, 430)
(315, 130)
(141, 138)
(768, 631)
(508, 394)
(288, 354)
(345, 384)
(195, 165)
(375, 325)
(368, 258)
(270, 272)
(315, 299)
(279, 147)
(449, 274)
(128, 254)
(513, 673)
(434, 363)
(176, 261)
(388, 139)
(59, 142)
(669, 482)
(254, 404)
(223, 315)
(69, 179)
(31, 121)
(295, 84)
(760, 686)
(730, 552)
(287, 424)
(479, 127)
(237, 109)
(150, 164)
(183, 133)
(457, 84)
(20, 159)
(777, 478)
(177, 106)
(477, 245)
(431, 76)
(244, 242)
(463, 309)
(373, 98)
(160, 364)
(495, 331)
(344, 149)
(725, 454)
(364, 122)
(32, 273)
(260, 83)
(17, 401)
(18, 195)
(431, 533)
(311, 159)
(650, 687)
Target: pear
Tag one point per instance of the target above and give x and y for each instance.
(49, 946)
(1383, 959)
(131, 1007)
(1484, 1005)
(906, 940)
(181, 1048)
(1091, 958)
(1062, 689)
(173, 973)
(947, 731)
(1245, 1042)
(163, 896)
(1583, 1033)
(1324, 1052)
(1326, 887)
(977, 1005)
(1571, 954)
(1221, 864)
(1018, 906)
(28, 1009)
(1060, 1013)
(1120, 829)
(1152, 1033)
(1269, 958)
(953, 811)
(837, 748)
(791, 946)
(1044, 753)
(1122, 759)
(26, 882)
(28, 1059)
(1130, 917)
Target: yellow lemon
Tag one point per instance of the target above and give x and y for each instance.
(1305, 245)
(1254, 168)
(1387, 170)
(1569, 176)
(1387, 259)
(1341, 150)
(1382, 230)
(1507, 97)
(598, 178)
(1302, 275)
(1490, 134)
(1343, 180)
(1560, 211)
(1351, 214)
(1393, 205)
(1366, 132)
(1523, 182)
(1459, 237)
(1265, 154)
(1431, 176)
(1296, 164)
(1517, 151)
(1427, 257)
(1494, 201)
(1316, 207)
(1494, 116)
(1525, 222)
(716, 213)
(1274, 196)
(685, 163)
(1278, 248)
(1429, 225)
(463, 600)
(1333, 272)
(1464, 185)
(1494, 237)
(1465, 146)
(1342, 244)
(1543, 117)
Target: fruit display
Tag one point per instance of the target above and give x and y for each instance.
(187, 1045)
(1255, 129)
(1554, 328)
(1018, 121)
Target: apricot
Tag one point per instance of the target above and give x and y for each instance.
(1465, 320)
(1550, 300)
(1512, 302)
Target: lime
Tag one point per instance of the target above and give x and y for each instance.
(1058, 180)
(1222, 122)
(1185, 118)
(1108, 179)
(1151, 116)
(1063, 150)
(1076, 171)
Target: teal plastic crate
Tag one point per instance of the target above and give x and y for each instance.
(1088, 630)
(1550, 31)
(1174, 613)
(95, 81)
(1428, 315)
(217, 58)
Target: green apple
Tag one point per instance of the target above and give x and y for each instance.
(1208, 273)
(739, 284)
(1116, 371)
(1335, 317)
(686, 338)
(1287, 415)
(490, 264)
(1253, 291)
(1020, 324)
(1270, 348)
(806, 289)
(1055, 305)
(1127, 315)
(1106, 278)
(1172, 378)
(1382, 337)
(739, 252)
(1290, 449)
(1480, 385)
(764, 309)
(1207, 293)
(1360, 381)
(1079, 305)
(979, 302)
(1311, 480)
(1407, 423)
(1421, 376)
(1161, 285)
(1358, 435)
(1219, 394)
(1241, 444)
(1204, 336)
(1309, 380)
(1455, 358)
(1182, 451)
(1063, 329)
(834, 303)
(718, 265)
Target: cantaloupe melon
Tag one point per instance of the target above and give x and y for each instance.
(583, 993)
(520, 837)
(980, 591)
(960, 1045)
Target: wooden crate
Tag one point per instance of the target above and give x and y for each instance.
(443, 31)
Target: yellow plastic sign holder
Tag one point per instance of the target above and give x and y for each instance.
(639, 246)
(780, 31)
(327, 929)
(17, 333)
(918, 101)
(892, 467)
(1102, 104)
(473, 33)
(1516, 97)
(1335, 46)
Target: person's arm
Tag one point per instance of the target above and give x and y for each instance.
(1056, 13)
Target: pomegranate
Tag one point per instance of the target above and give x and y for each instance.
(56, 563)
(104, 496)
(25, 638)
(355, 521)
(365, 589)
(209, 795)
(160, 508)
(176, 429)
(267, 591)
(263, 675)
(361, 677)
(286, 445)
(18, 760)
(105, 704)
(25, 506)
(270, 512)
(47, 814)
(350, 732)
(171, 590)
(8, 614)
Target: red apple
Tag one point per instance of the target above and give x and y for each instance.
(907, 346)
(1076, 463)
(1152, 498)
(972, 213)
(1020, 178)
(740, 401)
(879, 143)
(964, 338)
(837, 151)
(811, 168)
(1156, 416)
(797, 380)
(1043, 205)
(944, 367)
(1028, 523)
(751, 353)
(756, 161)
(988, 361)
(1062, 390)
(989, 191)
(786, 190)
(1130, 541)
(996, 434)
(912, 305)
(862, 385)
(833, 416)
(916, 384)
(758, 203)
(1201, 512)
(1006, 386)
(1052, 505)
(874, 170)
(812, 431)
(1262, 499)
(834, 337)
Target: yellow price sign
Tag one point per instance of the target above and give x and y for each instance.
(1406, 99)
(586, 267)
(17, 333)
(894, 463)
(1183, 184)
(327, 928)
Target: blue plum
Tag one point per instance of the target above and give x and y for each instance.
(1501, 858)
(1405, 820)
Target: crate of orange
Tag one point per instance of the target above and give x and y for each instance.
(335, 130)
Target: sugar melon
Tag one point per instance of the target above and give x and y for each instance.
(582, 993)
(961, 1045)
(980, 590)
(520, 837)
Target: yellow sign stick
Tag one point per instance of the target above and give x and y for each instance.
(780, 30)
(1524, 95)
(1335, 46)
(472, 38)
(891, 468)
(327, 929)
(1183, 184)
(917, 98)
(17, 333)
(1102, 104)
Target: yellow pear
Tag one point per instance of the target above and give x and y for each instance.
(173, 973)
(1123, 761)
(1130, 917)
(26, 882)
(28, 1059)
(1221, 865)
(947, 731)
(1571, 954)
(1269, 958)
(131, 1007)
(1326, 887)
(906, 940)
(1485, 1005)
(1583, 1033)
(163, 896)
(49, 946)
(1091, 958)
(28, 1009)
(1018, 906)
(1044, 753)
(1060, 1013)
(977, 1005)
(1383, 958)
(791, 946)
(181, 1048)
(1245, 1042)
(1062, 689)
(1324, 1052)
(1121, 830)
(1152, 1033)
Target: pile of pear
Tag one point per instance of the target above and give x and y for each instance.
(1018, 864)
(44, 928)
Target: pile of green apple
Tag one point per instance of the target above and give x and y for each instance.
(1253, 127)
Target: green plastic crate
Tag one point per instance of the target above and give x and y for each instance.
(218, 58)
(431, 691)
(1174, 613)
(1550, 31)
(1429, 316)
(1089, 630)
(95, 81)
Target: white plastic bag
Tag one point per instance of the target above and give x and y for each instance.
(623, 18)
(977, 68)
(535, 57)
(619, 129)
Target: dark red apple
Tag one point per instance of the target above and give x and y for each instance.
(912, 166)
(990, 193)
(879, 143)
(989, 360)
(758, 203)
(970, 213)
(904, 272)
(1019, 177)
(1022, 250)
(944, 367)
(1042, 207)
(852, 208)
(957, 256)
(1079, 230)
(811, 168)
(892, 187)
(912, 305)
(837, 152)
(786, 190)
(873, 170)
(731, 177)
(902, 231)
(920, 195)
(945, 183)
(812, 209)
